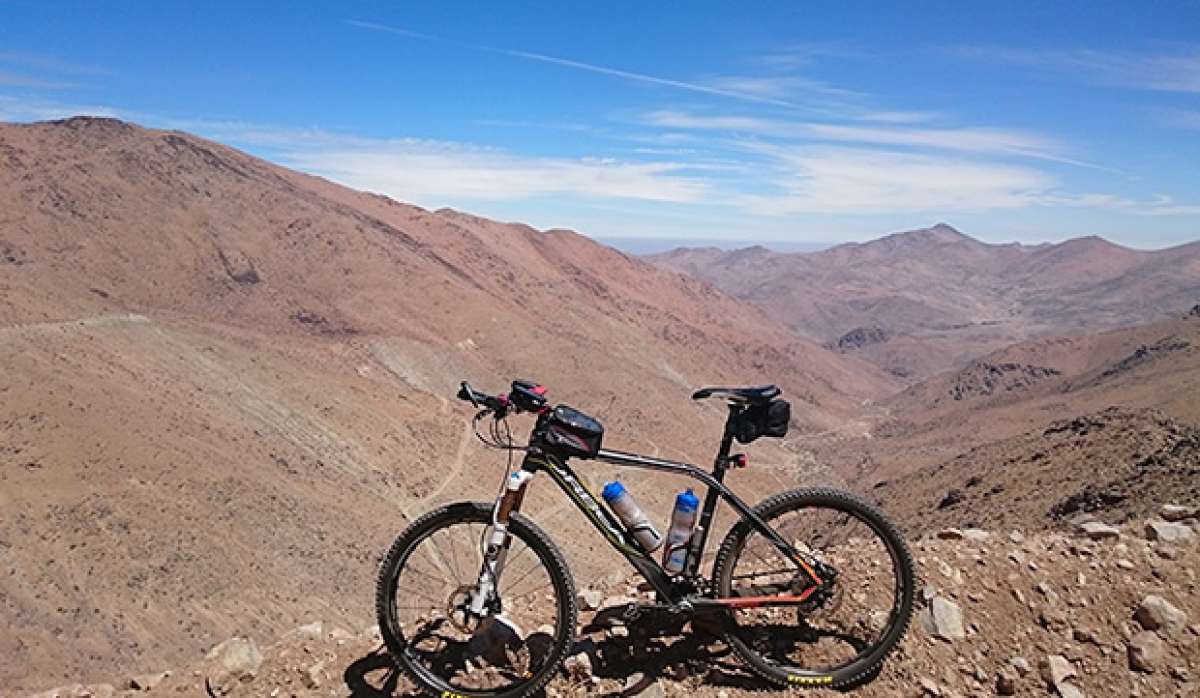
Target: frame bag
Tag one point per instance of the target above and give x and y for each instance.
(767, 419)
(573, 433)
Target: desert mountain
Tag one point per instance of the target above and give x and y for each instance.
(1034, 434)
(228, 385)
(920, 302)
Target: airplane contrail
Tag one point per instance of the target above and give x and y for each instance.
(578, 65)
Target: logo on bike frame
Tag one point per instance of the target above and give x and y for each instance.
(586, 501)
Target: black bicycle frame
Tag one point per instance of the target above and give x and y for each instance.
(614, 532)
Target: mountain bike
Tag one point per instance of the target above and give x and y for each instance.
(811, 588)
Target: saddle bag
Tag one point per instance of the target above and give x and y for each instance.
(572, 433)
(766, 419)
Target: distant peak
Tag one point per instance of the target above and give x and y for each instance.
(939, 233)
(945, 231)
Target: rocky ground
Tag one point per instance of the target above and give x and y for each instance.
(1093, 610)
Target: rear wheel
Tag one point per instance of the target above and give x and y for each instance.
(428, 579)
(842, 634)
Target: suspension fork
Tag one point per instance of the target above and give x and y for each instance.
(507, 504)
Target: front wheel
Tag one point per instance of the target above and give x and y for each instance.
(842, 634)
(425, 588)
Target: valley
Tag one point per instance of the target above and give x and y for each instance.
(228, 385)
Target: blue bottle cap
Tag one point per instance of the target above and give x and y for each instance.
(612, 491)
(687, 501)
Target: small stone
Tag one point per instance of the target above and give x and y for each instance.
(1168, 532)
(314, 631)
(313, 675)
(976, 535)
(1097, 530)
(1021, 665)
(1055, 669)
(1085, 635)
(929, 686)
(943, 618)
(1016, 537)
(590, 599)
(1006, 682)
(1145, 651)
(652, 690)
(1125, 564)
(579, 666)
(950, 534)
(1176, 512)
(1157, 613)
(148, 682)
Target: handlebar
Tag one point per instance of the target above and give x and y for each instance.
(525, 396)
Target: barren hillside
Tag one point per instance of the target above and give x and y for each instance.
(931, 300)
(226, 387)
(967, 419)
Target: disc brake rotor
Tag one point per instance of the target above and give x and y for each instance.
(458, 610)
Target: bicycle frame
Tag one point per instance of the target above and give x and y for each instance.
(671, 588)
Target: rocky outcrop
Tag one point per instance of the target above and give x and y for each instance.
(984, 378)
(860, 337)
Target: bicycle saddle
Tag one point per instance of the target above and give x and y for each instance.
(752, 395)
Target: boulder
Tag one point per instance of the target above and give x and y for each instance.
(1145, 651)
(1176, 512)
(1156, 613)
(234, 661)
(1168, 532)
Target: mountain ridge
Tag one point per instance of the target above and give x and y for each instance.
(944, 297)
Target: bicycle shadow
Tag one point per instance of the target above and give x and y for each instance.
(635, 654)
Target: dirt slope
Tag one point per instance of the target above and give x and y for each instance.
(225, 387)
(943, 298)
(1009, 603)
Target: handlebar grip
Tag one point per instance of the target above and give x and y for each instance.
(468, 394)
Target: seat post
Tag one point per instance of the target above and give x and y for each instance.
(720, 465)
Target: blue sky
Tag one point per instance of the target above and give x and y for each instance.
(789, 122)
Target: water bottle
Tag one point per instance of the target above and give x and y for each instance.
(683, 522)
(631, 515)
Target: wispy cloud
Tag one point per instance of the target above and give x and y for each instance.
(968, 140)
(1160, 205)
(10, 79)
(586, 67)
(39, 109)
(781, 87)
(438, 172)
(837, 180)
(1177, 71)
(40, 61)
